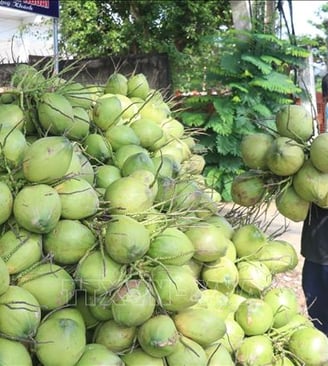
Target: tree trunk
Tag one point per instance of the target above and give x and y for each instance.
(241, 14)
(270, 15)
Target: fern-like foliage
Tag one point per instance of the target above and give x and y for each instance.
(263, 66)
(277, 83)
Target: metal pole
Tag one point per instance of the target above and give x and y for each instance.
(55, 39)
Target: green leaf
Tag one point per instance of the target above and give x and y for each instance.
(271, 59)
(230, 62)
(262, 110)
(240, 87)
(228, 145)
(194, 119)
(254, 60)
(276, 82)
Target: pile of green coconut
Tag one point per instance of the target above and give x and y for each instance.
(113, 250)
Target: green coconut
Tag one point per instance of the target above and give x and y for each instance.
(171, 246)
(50, 284)
(176, 148)
(319, 152)
(295, 121)
(255, 350)
(81, 124)
(107, 111)
(97, 273)
(77, 94)
(27, 77)
(139, 357)
(6, 202)
(222, 222)
(148, 131)
(253, 148)
(154, 110)
(37, 208)
(12, 148)
(98, 354)
(203, 326)
(309, 345)
(97, 147)
(209, 242)
(291, 205)
(60, 339)
(165, 166)
(148, 179)
(126, 239)
(119, 135)
(311, 184)
(17, 320)
(138, 86)
(189, 353)
(78, 199)
(14, 353)
(248, 189)
(47, 159)
(218, 354)
(214, 300)
(222, 275)
(173, 128)
(129, 108)
(116, 83)
(136, 162)
(115, 337)
(128, 195)
(158, 336)
(69, 241)
(20, 249)
(55, 113)
(254, 277)
(106, 174)
(284, 304)
(11, 116)
(195, 164)
(278, 256)
(285, 156)
(5, 277)
(133, 303)
(255, 316)
(176, 287)
(87, 173)
(233, 336)
(125, 151)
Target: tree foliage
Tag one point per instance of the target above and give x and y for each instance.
(90, 28)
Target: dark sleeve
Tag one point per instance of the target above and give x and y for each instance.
(314, 239)
(324, 86)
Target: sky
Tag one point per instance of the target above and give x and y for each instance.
(302, 12)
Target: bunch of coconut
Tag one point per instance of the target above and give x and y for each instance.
(112, 250)
(287, 165)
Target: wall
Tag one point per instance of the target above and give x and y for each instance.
(96, 71)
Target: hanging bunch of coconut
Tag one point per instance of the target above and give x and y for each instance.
(112, 250)
(287, 165)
